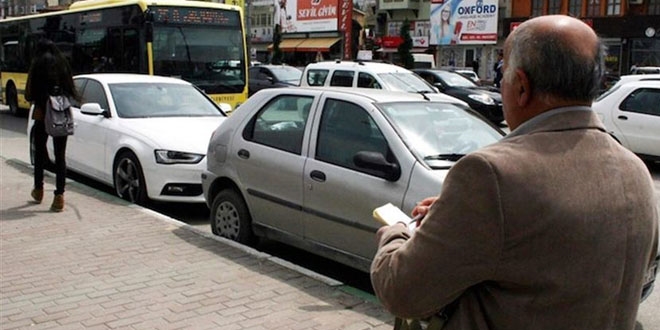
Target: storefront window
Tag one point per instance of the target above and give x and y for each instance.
(613, 7)
(645, 52)
(612, 59)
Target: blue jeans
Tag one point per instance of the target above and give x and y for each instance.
(40, 154)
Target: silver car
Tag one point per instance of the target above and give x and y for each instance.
(307, 166)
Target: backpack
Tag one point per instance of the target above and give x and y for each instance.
(59, 118)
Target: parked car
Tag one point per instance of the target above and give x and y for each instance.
(370, 75)
(485, 101)
(470, 75)
(631, 113)
(629, 78)
(645, 70)
(307, 166)
(146, 136)
(272, 76)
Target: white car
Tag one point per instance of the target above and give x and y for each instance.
(371, 75)
(631, 113)
(146, 136)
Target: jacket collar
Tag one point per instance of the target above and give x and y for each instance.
(560, 119)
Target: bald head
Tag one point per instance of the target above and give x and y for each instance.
(561, 56)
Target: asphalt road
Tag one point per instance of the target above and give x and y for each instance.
(13, 144)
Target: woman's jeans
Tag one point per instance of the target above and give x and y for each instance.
(40, 154)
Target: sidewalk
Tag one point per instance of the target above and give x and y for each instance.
(106, 264)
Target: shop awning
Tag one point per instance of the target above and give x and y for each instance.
(394, 50)
(316, 44)
(288, 45)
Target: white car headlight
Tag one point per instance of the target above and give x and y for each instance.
(176, 157)
(485, 99)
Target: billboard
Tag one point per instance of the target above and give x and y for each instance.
(463, 22)
(306, 15)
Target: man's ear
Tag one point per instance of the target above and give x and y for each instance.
(523, 88)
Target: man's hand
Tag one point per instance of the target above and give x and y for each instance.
(422, 208)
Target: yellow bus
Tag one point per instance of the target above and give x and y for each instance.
(201, 42)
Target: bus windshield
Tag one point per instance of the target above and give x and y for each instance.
(208, 56)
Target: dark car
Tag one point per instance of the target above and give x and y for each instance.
(485, 101)
(272, 76)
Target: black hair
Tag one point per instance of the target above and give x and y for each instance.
(50, 74)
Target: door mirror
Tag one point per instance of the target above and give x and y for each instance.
(376, 163)
(93, 109)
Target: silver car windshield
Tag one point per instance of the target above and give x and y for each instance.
(406, 82)
(139, 100)
(437, 131)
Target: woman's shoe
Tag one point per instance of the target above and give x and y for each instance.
(37, 195)
(58, 203)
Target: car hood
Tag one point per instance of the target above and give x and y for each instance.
(463, 92)
(186, 134)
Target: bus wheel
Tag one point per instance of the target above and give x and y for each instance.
(12, 100)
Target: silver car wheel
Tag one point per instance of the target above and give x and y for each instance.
(230, 218)
(227, 220)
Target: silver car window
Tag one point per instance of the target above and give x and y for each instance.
(281, 123)
(345, 130)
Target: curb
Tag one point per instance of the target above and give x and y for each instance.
(243, 248)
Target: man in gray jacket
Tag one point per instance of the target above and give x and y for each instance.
(553, 227)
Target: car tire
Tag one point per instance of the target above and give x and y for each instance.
(129, 179)
(230, 217)
(12, 100)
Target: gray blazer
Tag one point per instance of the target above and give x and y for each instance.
(553, 227)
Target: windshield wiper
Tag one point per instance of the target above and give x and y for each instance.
(452, 157)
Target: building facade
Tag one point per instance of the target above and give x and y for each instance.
(629, 28)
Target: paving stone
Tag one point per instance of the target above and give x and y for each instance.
(106, 264)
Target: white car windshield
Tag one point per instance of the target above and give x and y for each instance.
(438, 131)
(139, 100)
(406, 81)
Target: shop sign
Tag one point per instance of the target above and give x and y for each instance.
(463, 22)
(307, 15)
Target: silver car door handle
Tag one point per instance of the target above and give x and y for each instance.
(623, 117)
(317, 176)
(244, 154)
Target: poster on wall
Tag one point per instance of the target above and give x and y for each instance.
(463, 22)
(306, 15)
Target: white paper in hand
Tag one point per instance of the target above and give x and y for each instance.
(389, 214)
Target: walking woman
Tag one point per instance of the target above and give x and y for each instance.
(50, 74)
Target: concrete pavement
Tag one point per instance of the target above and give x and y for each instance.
(106, 264)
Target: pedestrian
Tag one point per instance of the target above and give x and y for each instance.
(50, 74)
(475, 66)
(553, 227)
(497, 67)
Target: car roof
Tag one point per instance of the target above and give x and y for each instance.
(638, 77)
(376, 95)
(111, 78)
(273, 66)
(370, 66)
(642, 83)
